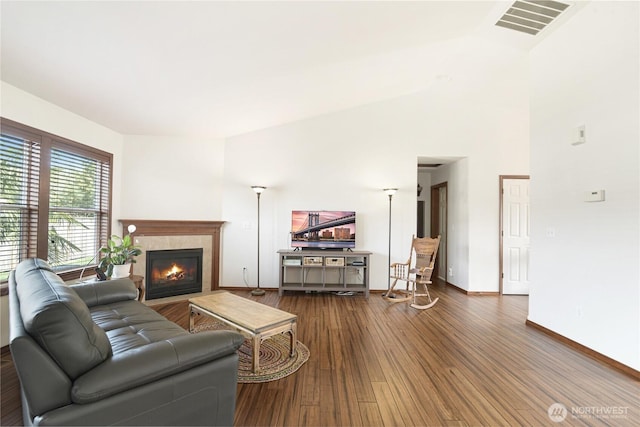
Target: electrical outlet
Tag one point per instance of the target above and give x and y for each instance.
(450, 271)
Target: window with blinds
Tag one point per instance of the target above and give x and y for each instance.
(19, 189)
(55, 201)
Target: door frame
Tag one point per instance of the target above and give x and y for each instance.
(435, 223)
(421, 216)
(500, 229)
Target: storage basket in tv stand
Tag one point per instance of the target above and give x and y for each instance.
(324, 271)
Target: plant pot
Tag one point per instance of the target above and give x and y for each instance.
(120, 271)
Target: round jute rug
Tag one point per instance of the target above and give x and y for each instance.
(275, 362)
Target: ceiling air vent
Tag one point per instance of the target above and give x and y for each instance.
(531, 16)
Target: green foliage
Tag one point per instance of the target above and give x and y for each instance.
(9, 225)
(11, 192)
(60, 249)
(118, 251)
(81, 173)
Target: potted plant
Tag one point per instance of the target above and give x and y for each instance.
(118, 256)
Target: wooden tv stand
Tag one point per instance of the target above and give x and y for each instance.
(324, 271)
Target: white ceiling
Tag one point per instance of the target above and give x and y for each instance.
(217, 69)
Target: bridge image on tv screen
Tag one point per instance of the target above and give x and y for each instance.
(323, 229)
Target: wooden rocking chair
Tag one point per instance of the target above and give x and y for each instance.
(416, 272)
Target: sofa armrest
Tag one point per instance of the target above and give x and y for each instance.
(106, 292)
(152, 362)
(44, 384)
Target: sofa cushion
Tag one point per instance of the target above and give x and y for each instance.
(131, 325)
(57, 318)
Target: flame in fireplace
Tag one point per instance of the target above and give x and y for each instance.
(174, 273)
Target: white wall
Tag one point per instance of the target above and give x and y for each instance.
(172, 178)
(27, 109)
(585, 280)
(456, 176)
(344, 160)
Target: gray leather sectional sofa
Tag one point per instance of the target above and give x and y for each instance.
(91, 354)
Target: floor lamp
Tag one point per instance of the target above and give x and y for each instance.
(389, 192)
(258, 189)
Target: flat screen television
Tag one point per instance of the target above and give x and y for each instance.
(323, 229)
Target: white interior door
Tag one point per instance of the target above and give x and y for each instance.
(515, 236)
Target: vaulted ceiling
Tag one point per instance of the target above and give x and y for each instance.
(218, 69)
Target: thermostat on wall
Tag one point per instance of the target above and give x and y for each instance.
(594, 196)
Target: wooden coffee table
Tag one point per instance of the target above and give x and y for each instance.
(252, 319)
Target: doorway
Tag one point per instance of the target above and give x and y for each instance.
(439, 227)
(514, 235)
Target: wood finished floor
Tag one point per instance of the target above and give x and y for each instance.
(468, 361)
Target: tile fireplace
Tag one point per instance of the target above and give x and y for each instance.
(161, 235)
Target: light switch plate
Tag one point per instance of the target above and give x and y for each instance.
(579, 136)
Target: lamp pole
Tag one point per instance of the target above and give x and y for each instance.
(389, 192)
(258, 292)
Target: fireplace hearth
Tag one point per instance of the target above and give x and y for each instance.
(173, 272)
